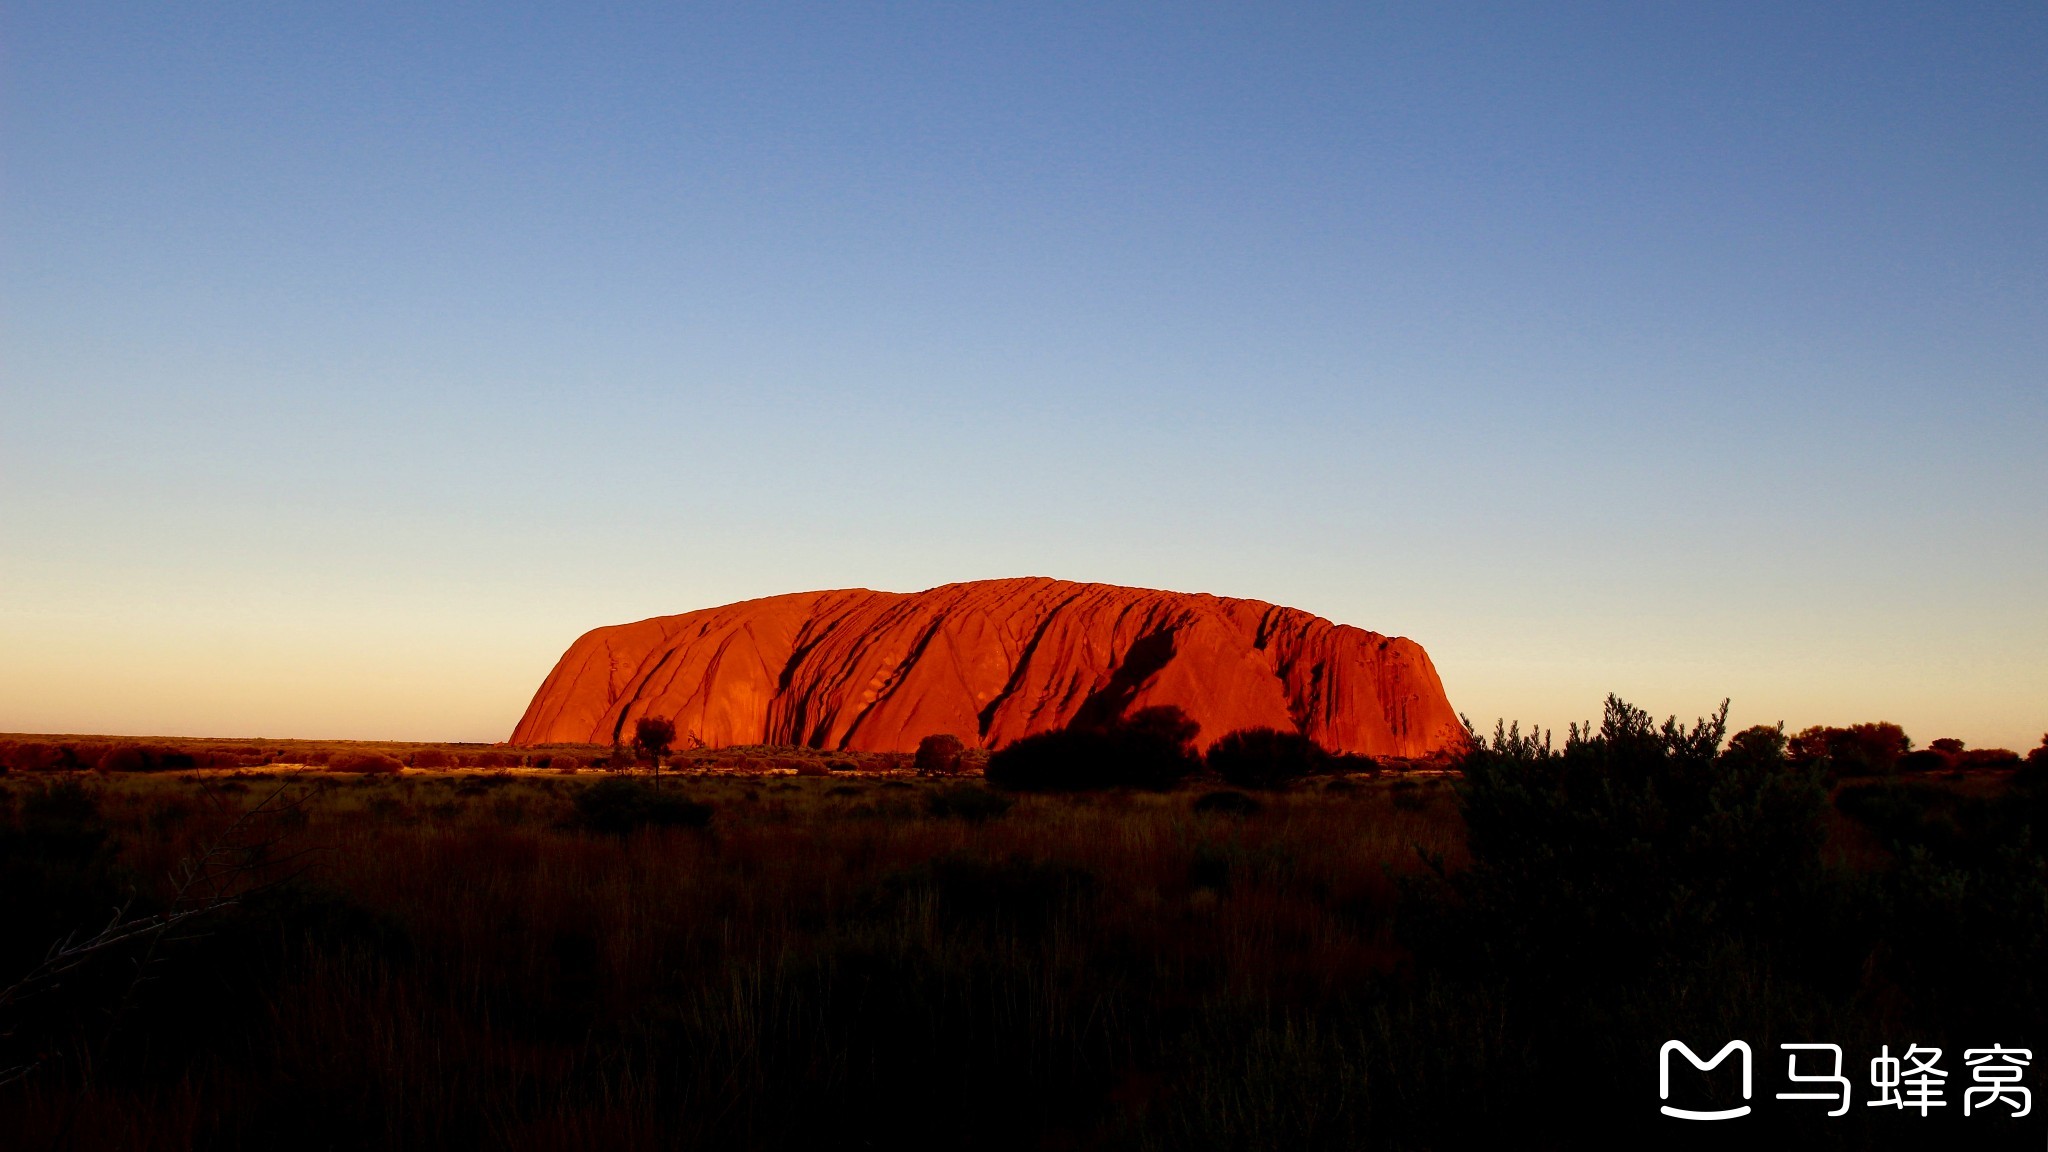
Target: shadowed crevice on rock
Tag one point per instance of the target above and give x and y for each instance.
(987, 715)
(1109, 703)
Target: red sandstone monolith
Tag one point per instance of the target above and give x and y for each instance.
(991, 661)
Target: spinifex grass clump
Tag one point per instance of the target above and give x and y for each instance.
(621, 804)
(1234, 803)
(365, 762)
(967, 801)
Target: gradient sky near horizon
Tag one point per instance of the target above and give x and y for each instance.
(356, 358)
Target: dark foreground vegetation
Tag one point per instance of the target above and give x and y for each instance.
(1289, 960)
(20, 752)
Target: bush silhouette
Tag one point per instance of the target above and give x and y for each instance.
(1067, 760)
(652, 737)
(1635, 842)
(1265, 758)
(1151, 748)
(366, 762)
(940, 755)
(2034, 770)
(1348, 763)
(1871, 749)
(1925, 760)
(1759, 743)
(134, 758)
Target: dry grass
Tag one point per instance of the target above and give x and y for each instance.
(462, 965)
(829, 964)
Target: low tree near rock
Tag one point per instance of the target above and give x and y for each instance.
(940, 755)
(1265, 758)
(652, 738)
(1151, 748)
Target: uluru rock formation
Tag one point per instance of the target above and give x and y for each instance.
(991, 661)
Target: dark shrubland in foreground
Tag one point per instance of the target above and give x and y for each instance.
(1152, 748)
(538, 961)
(1265, 758)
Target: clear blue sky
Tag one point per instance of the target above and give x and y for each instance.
(355, 358)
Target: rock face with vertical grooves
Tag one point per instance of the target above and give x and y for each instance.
(991, 661)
